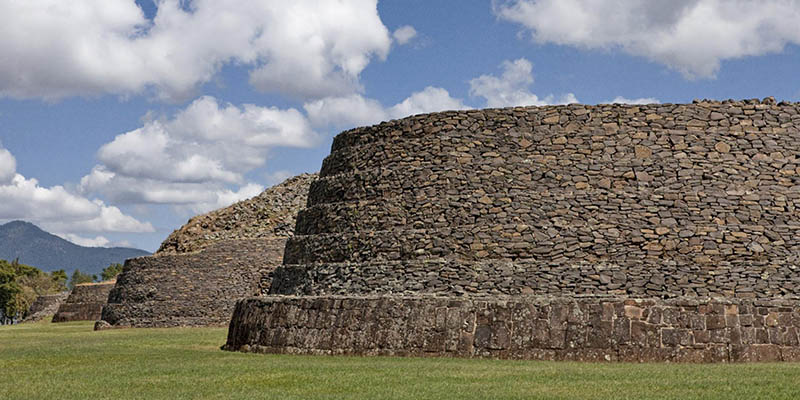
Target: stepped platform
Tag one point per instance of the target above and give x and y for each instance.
(662, 232)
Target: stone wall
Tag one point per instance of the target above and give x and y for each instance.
(85, 302)
(650, 206)
(45, 305)
(664, 200)
(201, 269)
(190, 289)
(527, 327)
(269, 215)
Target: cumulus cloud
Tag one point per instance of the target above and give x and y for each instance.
(302, 48)
(97, 241)
(56, 209)
(690, 36)
(641, 100)
(404, 34)
(8, 166)
(193, 158)
(357, 110)
(512, 87)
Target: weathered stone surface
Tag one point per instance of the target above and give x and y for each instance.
(85, 302)
(202, 268)
(269, 215)
(528, 327)
(194, 289)
(639, 202)
(395, 211)
(45, 305)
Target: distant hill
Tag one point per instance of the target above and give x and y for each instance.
(49, 252)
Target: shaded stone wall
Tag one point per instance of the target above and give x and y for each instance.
(85, 302)
(528, 327)
(190, 289)
(45, 305)
(201, 269)
(664, 200)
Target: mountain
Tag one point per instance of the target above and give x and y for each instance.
(49, 252)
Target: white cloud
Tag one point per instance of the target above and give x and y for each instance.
(227, 197)
(303, 48)
(193, 158)
(641, 100)
(691, 36)
(206, 142)
(512, 87)
(8, 166)
(430, 99)
(404, 34)
(356, 110)
(348, 111)
(98, 241)
(56, 209)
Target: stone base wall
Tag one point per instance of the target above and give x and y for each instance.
(85, 302)
(528, 327)
(45, 305)
(192, 289)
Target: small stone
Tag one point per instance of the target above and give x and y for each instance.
(662, 230)
(755, 247)
(643, 176)
(722, 147)
(653, 117)
(715, 116)
(642, 151)
(551, 120)
(581, 185)
(560, 140)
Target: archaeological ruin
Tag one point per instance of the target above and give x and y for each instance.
(84, 303)
(45, 305)
(662, 232)
(201, 269)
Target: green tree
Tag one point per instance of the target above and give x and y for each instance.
(79, 277)
(9, 290)
(19, 286)
(60, 278)
(111, 271)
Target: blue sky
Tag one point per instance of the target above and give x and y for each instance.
(119, 120)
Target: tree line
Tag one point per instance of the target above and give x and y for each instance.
(21, 284)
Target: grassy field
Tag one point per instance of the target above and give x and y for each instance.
(69, 360)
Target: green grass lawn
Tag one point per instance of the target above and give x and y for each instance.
(69, 360)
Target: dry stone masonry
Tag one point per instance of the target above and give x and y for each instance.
(201, 269)
(45, 305)
(642, 212)
(85, 302)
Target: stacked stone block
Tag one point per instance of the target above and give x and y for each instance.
(45, 305)
(85, 302)
(624, 202)
(195, 289)
(201, 269)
